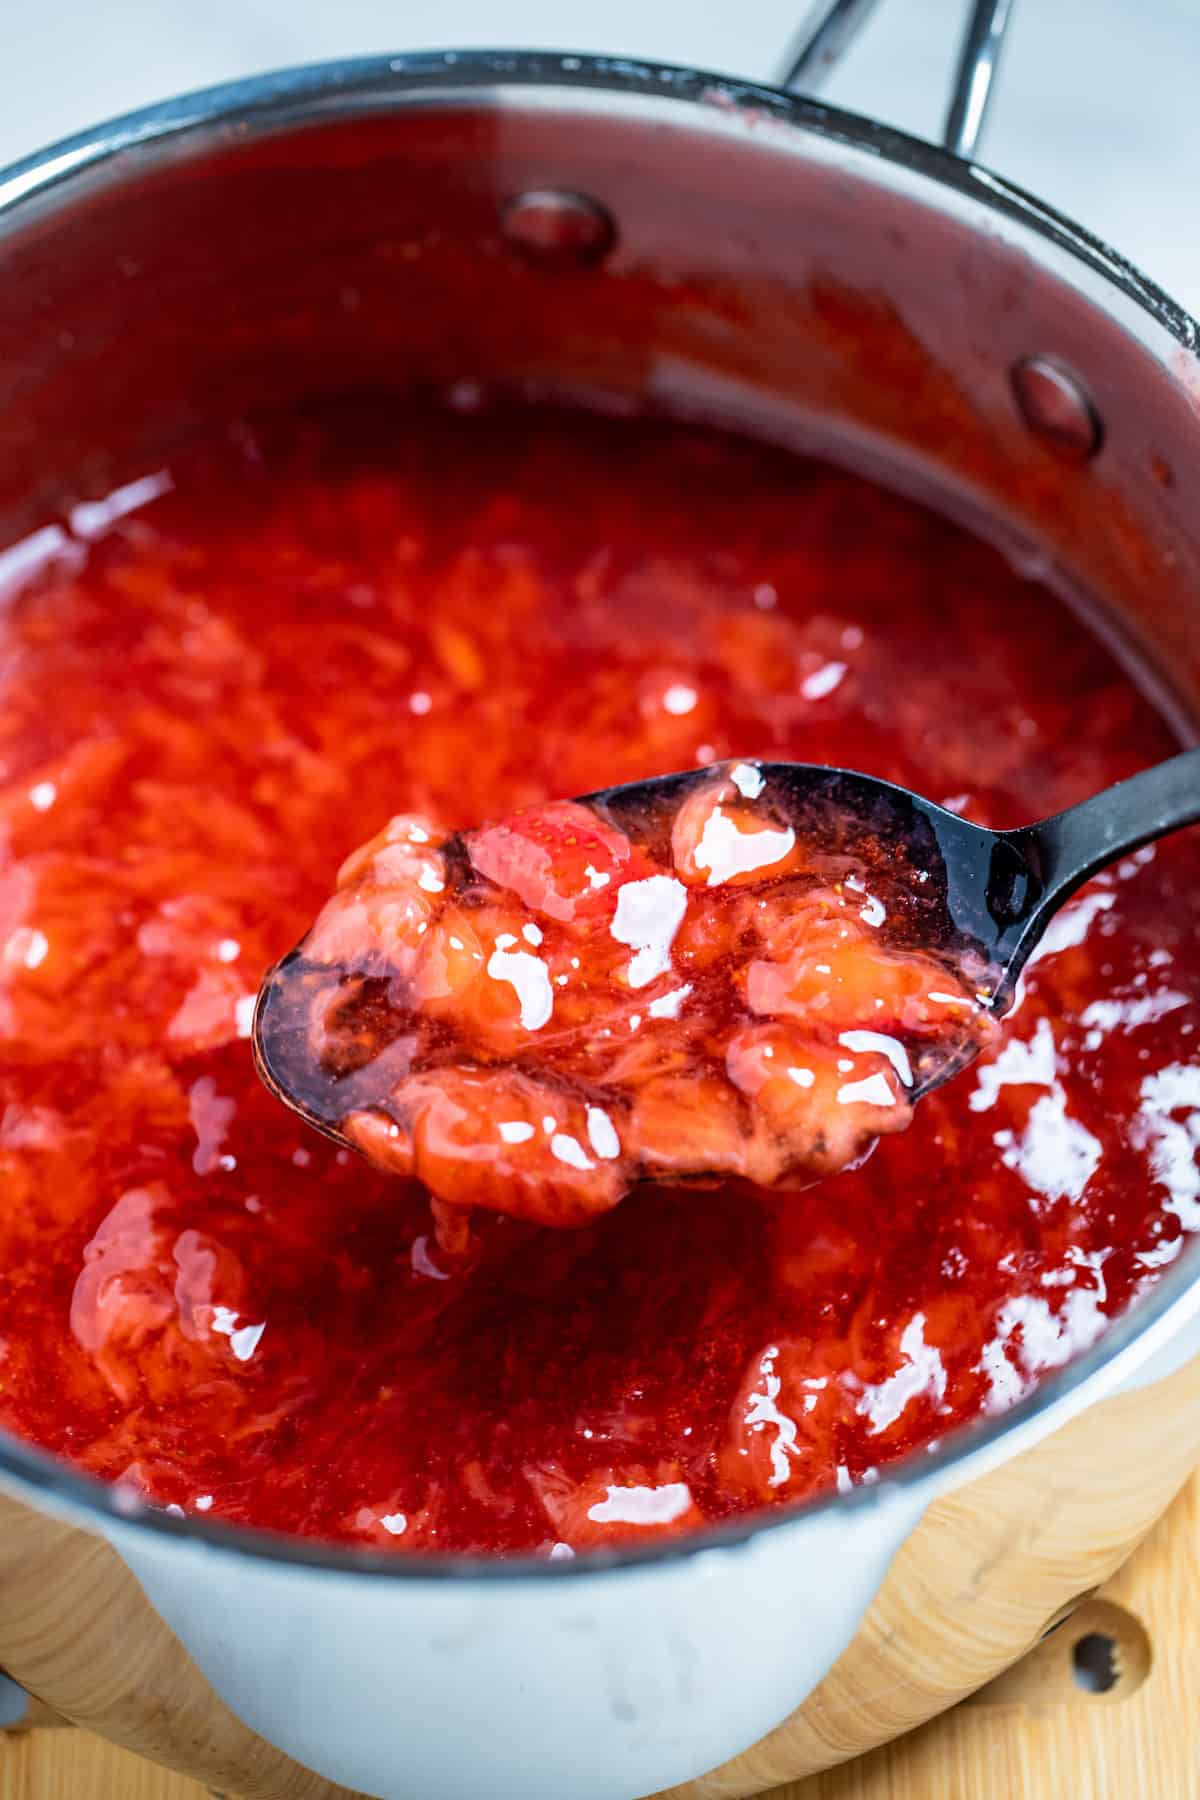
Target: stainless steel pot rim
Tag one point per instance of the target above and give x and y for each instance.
(259, 104)
(270, 103)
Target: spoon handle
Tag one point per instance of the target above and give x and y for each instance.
(1064, 850)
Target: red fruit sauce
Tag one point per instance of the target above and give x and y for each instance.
(207, 703)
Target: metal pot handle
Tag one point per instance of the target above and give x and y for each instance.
(827, 33)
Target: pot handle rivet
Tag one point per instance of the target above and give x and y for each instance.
(1056, 408)
(555, 225)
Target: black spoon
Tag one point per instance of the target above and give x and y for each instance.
(980, 898)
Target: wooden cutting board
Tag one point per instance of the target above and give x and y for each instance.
(1034, 1734)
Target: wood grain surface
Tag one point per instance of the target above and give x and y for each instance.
(1034, 1734)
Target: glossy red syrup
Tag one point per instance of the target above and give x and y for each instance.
(207, 703)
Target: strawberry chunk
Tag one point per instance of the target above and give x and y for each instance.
(404, 850)
(498, 1140)
(384, 900)
(685, 1125)
(561, 860)
(381, 1140)
(476, 971)
(817, 1110)
(720, 840)
(840, 976)
(371, 928)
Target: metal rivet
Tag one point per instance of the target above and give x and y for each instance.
(1056, 408)
(554, 225)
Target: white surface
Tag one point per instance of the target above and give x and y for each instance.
(1096, 110)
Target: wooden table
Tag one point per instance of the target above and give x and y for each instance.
(1035, 1734)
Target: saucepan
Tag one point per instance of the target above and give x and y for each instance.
(623, 235)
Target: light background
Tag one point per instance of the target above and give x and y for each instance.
(1098, 108)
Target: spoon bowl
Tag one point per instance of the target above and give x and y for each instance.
(345, 1031)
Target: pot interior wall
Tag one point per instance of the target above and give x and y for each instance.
(763, 273)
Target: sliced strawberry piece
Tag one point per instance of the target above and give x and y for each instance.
(561, 860)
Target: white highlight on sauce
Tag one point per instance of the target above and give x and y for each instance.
(515, 1131)
(887, 1046)
(243, 1339)
(602, 1134)
(1055, 1155)
(1173, 1140)
(873, 1090)
(1071, 926)
(423, 1263)
(648, 915)
(26, 947)
(570, 1151)
(823, 681)
(762, 1411)
(91, 518)
(921, 1372)
(642, 1505)
(748, 779)
(528, 976)
(1103, 1016)
(667, 1005)
(19, 562)
(725, 851)
(1019, 1064)
(1031, 1338)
